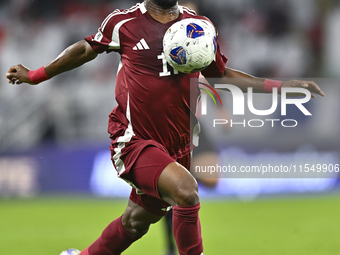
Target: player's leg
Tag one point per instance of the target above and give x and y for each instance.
(142, 209)
(123, 231)
(156, 174)
(178, 188)
(136, 220)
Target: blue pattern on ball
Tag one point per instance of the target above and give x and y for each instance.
(194, 30)
(215, 44)
(71, 251)
(178, 55)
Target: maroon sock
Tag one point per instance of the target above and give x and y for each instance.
(113, 241)
(187, 229)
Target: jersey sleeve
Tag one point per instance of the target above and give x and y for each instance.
(217, 67)
(107, 38)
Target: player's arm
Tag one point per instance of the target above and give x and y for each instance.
(260, 85)
(72, 57)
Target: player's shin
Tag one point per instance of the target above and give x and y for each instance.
(113, 241)
(187, 229)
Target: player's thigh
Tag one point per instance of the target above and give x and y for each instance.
(144, 177)
(157, 175)
(146, 170)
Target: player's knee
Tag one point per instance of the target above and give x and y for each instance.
(187, 195)
(177, 186)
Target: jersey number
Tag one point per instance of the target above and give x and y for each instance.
(166, 71)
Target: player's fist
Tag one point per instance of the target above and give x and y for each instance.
(18, 74)
(310, 85)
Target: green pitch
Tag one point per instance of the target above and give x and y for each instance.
(301, 226)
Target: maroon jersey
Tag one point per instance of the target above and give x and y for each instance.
(153, 98)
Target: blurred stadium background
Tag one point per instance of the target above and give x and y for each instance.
(58, 188)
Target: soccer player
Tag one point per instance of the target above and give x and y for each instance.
(150, 127)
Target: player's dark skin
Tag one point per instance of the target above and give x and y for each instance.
(175, 184)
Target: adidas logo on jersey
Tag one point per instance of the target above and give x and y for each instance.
(141, 45)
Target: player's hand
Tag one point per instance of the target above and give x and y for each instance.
(18, 74)
(310, 85)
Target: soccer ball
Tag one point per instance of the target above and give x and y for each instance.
(70, 252)
(190, 45)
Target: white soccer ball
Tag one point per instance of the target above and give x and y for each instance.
(190, 45)
(70, 252)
